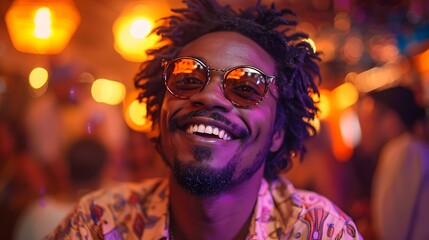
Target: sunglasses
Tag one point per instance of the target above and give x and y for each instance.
(243, 86)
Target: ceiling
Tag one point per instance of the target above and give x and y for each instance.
(92, 44)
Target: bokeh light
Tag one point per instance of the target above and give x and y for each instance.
(327, 45)
(38, 77)
(382, 48)
(108, 91)
(138, 112)
(322, 102)
(41, 27)
(350, 128)
(135, 113)
(421, 61)
(342, 22)
(42, 23)
(378, 77)
(132, 29)
(344, 96)
(353, 50)
(140, 28)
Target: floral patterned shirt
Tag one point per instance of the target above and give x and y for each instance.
(140, 211)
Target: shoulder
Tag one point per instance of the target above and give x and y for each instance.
(40, 217)
(130, 198)
(316, 207)
(143, 190)
(117, 210)
(315, 213)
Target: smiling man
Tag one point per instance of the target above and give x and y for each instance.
(230, 95)
(214, 146)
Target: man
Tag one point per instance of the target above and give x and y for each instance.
(230, 97)
(400, 190)
(86, 159)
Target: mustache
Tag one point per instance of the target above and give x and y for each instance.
(209, 114)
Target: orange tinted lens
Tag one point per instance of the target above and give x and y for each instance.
(245, 86)
(185, 77)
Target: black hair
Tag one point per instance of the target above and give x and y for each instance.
(402, 101)
(296, 67)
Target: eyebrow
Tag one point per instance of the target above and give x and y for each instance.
(203, 60)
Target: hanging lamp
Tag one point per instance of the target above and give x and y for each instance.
(132, 28)
(41, 26)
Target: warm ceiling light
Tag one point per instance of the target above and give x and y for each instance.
(108, 91)
(135, 113)
(344, 95)
(42, 26)
(38, 77)
(132, 28)
(322, 102)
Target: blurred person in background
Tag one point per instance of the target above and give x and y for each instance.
(44, 122)
(398, 164)
(142, 159)
(321, 171)
(230, 93)
(86, 160)
(400, 188)
(67, 112)
(20, 177)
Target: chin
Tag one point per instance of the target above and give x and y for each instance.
(203, 180)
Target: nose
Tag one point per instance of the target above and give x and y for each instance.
(212, 96)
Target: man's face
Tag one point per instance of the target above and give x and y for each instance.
(208, 164)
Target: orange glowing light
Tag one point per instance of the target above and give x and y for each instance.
(344, 95)
(108, 91)
(323, 103)
(135, 113)
(342, 22)
(132, 29)
(421, 60)
(43, 23)
(38, 77)
(41, 27)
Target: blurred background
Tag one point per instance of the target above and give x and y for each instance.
(66, 93)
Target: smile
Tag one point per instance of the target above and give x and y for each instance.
(209, 131)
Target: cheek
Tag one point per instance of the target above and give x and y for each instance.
(263, 119)
(169, 107)
(166, 111)
(261, 124)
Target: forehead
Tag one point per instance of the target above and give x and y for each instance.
(229, 49)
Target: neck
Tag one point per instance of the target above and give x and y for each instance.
(222, 217)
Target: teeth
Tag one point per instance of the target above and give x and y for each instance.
(201, 128)
(208, 130)
(221, 133)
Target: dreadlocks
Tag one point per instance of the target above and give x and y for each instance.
(296, 67)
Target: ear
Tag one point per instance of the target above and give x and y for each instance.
(277, 139)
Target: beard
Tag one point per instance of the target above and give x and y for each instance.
(203, 180)
(197, 176)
